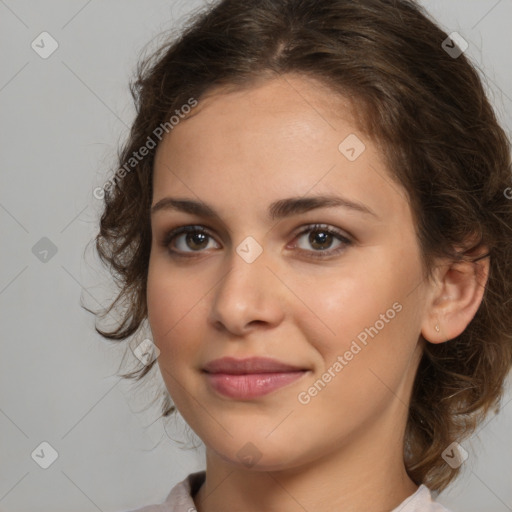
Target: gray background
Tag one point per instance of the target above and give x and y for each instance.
(61, 120)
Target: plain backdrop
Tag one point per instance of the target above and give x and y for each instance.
(61, 119)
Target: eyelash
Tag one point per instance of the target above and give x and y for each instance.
(174, 233)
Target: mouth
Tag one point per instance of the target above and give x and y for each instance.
(245, 379)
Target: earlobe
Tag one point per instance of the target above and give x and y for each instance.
(457, 294)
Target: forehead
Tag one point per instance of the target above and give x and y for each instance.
(294, 108)
(279, 138)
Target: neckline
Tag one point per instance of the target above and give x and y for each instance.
(196, 480)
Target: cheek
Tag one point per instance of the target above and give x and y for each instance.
(367, 309)
(377, 352)
(172, 302)
(344, 304)
(161, 304)
(172, 314)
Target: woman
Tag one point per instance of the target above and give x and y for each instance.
(310, 213)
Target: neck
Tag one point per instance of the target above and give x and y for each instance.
(365, 473)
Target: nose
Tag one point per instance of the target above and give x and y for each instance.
(248, 297)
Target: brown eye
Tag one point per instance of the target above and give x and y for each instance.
(189, 239)
(196, 241)
(321, 241)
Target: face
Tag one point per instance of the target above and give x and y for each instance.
(275, 236)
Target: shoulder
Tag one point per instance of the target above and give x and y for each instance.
(421, 501)
(180, 498)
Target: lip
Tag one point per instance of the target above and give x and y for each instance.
(251, 377)
(235, 366)
(248, 386)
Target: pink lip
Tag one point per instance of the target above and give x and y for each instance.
(250, 378)
(250, 385)
(248, 365)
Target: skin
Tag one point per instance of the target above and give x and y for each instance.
(343, 450)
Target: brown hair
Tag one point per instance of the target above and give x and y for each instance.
(444, 145)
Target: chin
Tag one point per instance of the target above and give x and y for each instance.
(255, 453)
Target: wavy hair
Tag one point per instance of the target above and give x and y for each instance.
(443, 143)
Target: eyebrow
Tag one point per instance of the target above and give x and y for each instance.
(277, 210)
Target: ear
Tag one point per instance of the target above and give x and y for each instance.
(456, 294)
